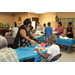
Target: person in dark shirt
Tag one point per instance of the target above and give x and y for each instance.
(69, 31)
(23, 36)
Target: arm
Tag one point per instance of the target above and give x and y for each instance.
(72, 31)
(65, 33)
(43, 55)
(23, 34)
(31, 34)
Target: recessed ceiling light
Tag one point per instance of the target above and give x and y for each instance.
(39, 12)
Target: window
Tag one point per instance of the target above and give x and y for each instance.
(65, 22)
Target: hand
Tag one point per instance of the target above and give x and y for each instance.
(69, 33)
(36, 49)
(32, 41)
(44, 38)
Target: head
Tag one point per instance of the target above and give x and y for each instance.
(49, 24)
(69, 24)
(38, 23)
(27, 22)
(3, 42)
(52, 39)
(59, 24)
(15, 25)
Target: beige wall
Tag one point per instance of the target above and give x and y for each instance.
(31, 15)
(47, 17)
(65, 14)
(6, 17)
(23, 16)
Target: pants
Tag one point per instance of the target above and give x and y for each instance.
(47, 40)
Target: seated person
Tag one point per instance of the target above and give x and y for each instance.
(10, 39)
(52, 51)
(7, 54)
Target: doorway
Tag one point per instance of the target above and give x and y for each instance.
(36, 20)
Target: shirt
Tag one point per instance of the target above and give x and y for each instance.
(48, 31)
(39, 27)
(8, 55)
(15, 29)
(10, 39)
(53, 51)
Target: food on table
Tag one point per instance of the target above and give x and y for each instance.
(37, 35)
(42, 49)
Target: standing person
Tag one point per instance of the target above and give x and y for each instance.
(69, 31)
(23, 35)
(60, 29)
(52, 51)
(48, 32)
(39, 27)
(15, 30)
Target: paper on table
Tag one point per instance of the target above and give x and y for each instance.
(35, 51)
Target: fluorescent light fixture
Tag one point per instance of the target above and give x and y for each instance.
(39, 12)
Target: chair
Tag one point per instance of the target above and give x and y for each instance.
(28, 60)
(55, 58)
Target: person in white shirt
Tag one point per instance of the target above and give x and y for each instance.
(52, 51)
(15, 30)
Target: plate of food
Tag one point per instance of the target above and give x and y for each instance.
(55, 32)
(41, 49)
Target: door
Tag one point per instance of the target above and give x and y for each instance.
(36, 20)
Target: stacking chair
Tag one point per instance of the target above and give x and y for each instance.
(28, 60)
(55, 58)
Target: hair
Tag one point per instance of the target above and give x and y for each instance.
(53, 38)
(48, 23)
(27, 21)
(3, 42)
(15, 25)
(70, 23)
(60, 23)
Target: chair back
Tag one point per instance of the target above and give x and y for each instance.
(55, 57)
(28, 60)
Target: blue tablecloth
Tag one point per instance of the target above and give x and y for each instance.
(41, 38)
(28, 52)
(65, 42)
(1, 35)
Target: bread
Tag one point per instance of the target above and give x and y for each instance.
(36, 35)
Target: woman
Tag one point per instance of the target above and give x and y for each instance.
(60, 29)
(15, 30)
(69, 31)
(23, 35)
